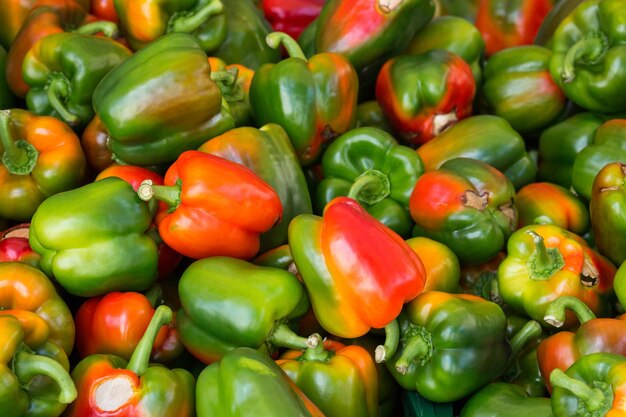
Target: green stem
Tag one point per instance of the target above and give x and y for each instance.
(589, 50)
(593, 398)
(27, 366)
(140, 359)
(169, 194)
(544, 262)
(275, 39)
(317, 353)
(282, 335)
(19, 157)
(392, 338)
(189, 21)
(58, 89)
(417, 349)
(531, 330)
(370, 187)
(555, 314)
(109, 29)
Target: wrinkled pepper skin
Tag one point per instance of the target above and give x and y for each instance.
(62, 71)
(109, 386)
(547, 203)
(104, 224)
(35, 383)
(608, 211)
(508, 23)
(322, 98)
(500, 399)
(341, 380)
(196, 216)
(42, 157)
(490, 139)
(183, 113)
(467, 205)
(453, 34)
(443, 270)
(7, 99)
(368, 165)
(28, 294)
(264, 298)
(545, 262)
(422, 95)
(587, 51)
(291, 17)
(351, 297)
(268, 152)
(246, 383)
(518, 87)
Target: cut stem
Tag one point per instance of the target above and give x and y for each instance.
(370, 187)
(58, 90)
(169, 194)
(187, 22)
(555, 314)
(27, 366)
(275, 39)
(531, 330)
(140, 359)
(317, 353)
(283, 336)
(109, 29)
(392, 338)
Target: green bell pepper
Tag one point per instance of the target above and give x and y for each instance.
(369, 114)
(501, 400)
(7, 99)
(368, 165)
(63, 70)
(93, 239)
(161, 102)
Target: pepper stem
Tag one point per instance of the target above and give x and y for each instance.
(109, 29)
(275, 39)
(392, 338)
(529, 331)
(418, 349)
(317, 353)
(140, 359)
(544, 262)
(169, 194)
(589, 50)
(370, 187)
(19, 157)
(27, 366)
(58, 89)
(227, 82)
(594, 399)
(555, 314)
(282, 335)
(189, 21)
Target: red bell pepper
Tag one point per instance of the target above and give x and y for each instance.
(14, 246)
(293, 16)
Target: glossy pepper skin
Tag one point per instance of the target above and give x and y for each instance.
(341, 380)
(508, 23)
(322, 98)
(268, 152)
(368, 165)
(620, 283)
(94, 141)
(490, 139)
(247, 383)
(28, 294)
(500, 399)
(422, 95)
(518, 87)
(466, 204)
(264, 299)
(109, 386)
(33, 383)
(14, 246)
(196, 216)
(62, 71)
(443, 270)
(292, 17)
(103, 224)
(545, 262)
(42, 156)
(186, 111)
(586, 48)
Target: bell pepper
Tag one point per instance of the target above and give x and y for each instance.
(114, 324)
(369, 114)
(352, 288)
(467, 205)
(620, 284)
(46, 18)
(313, 99)
(41, 157)
(544, 262)
(268, 152)
(368, 165)
(14, 246)
(33, 384)
(229, 303)
(109, 386)
(29, 295)
(453, 344)
(453, 34)
(586, 47)
(562, 349)
(196, 216)
(423, 95)
(490, 139)
(102, 224)
(104, 10)
(7, 99)
(63, 69)
(246, 382)
(465, 9)
(593, 386)
(443, 271)
(182, 113)
(93, 141)
(278, 257)
(518, 87)
(481, 279)
(238, 93)
(500, 399)
(291, 17)
(547, 203)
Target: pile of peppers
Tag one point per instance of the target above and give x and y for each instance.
(340, 208)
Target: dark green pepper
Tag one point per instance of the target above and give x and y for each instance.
(502, 400)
